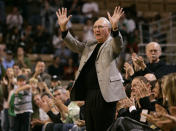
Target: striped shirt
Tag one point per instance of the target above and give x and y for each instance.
(23, 102)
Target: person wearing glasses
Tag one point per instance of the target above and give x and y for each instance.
(98, 81)
(155, 65)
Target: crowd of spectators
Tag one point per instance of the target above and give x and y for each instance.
(39, 99)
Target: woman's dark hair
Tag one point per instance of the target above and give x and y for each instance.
(45, 94)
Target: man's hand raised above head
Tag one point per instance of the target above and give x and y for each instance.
(62, 18)
(114, 19)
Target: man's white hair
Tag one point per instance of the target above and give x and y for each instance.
(153, 43)
(105, 19)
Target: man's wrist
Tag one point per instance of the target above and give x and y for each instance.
(63, 29)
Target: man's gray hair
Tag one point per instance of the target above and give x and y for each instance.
(107, 21)
(61, 89)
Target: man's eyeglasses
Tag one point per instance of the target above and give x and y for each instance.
(155, 51)
(99, 27)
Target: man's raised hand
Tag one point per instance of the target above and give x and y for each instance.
(114, 19)
(62, 18)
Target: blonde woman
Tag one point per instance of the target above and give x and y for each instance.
(169, 89)
(161, 118)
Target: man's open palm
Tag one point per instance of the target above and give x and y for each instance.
(114, 19)
(62, 18)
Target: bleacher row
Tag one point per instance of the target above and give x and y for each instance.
(142, 5)
(47, 58)
(148, 7)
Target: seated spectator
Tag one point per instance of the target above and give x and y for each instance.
(21, 59)
(56, 68)
(27, 38)
(46, 98)
(141, 90)
(155, 65)
(88, 31)
(13, 38)
(90, 9)
(131, 25)
(61, 93)
(27, 72)
(14, 19)
(7, 86)
(64, 53)
(43, 119)
(72, 111)
(40, 73)
(34, 86)
(47, 17)
(55, 83)
(157, 94)
(42, 41)
(8, 62)
(56, 40)
(161, 118)
(16, 69)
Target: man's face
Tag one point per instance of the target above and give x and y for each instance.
(101, 30)
(153, 53)
(9, 57)
(40, 67)
(57, 94)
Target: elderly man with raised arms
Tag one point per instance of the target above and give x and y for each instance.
(98, 81)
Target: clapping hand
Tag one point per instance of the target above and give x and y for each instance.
(125, 103)
(161, 118)
(45, 106)
(138, 62)
(172, 110)
(129, 71)
(142, 90)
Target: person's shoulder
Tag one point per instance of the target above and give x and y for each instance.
(91, 42)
